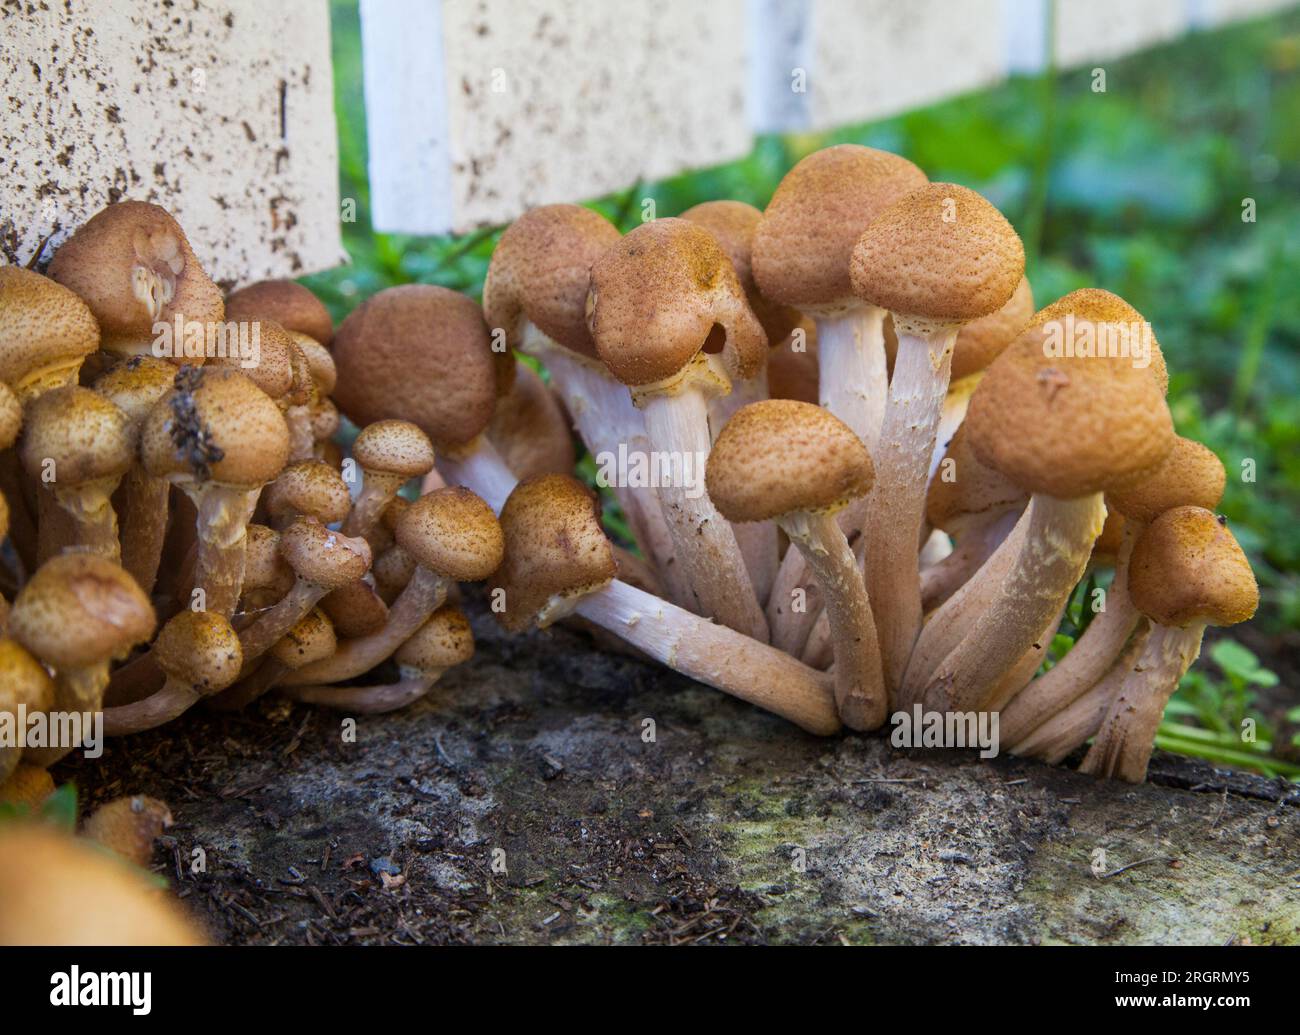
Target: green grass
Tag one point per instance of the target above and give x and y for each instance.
(1139, 190)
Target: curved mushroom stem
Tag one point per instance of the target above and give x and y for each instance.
(253, 686)
(716, 655)
(1071, 727)
(479, 467)
(1084, 665)
(378, 489)
(274, 623)
(90, 507)
(859, 686)
(173, 700)
(677, 424)
(1128, 730)
(423, 595)
(1057, 547)
(974, 545)
(897, 502)
(144, 525)
(606, 418)
(224, 514)
(368, 700)
(1019, 674)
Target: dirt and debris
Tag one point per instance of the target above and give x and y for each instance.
(529, 800)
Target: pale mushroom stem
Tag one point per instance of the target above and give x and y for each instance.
(273, 624)
(367, 700)
(252, 687)
(480, 469)
(973, 547)
(792, 625)
(945, 627)
(423, 595)
(302, 440)
(378, 489)
(1071, 727)
(93, 516)
(758, 540)
(1019, 674)
(224, 514)
(859, 685)
(1128, 729)
(716, 655)
(896, 508)
(678, 425)
(144, 525)
(1057, 547)
(606, 419)
(173, 700)
(955, 405)
(1086, 662)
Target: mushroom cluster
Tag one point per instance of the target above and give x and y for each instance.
(859, 473)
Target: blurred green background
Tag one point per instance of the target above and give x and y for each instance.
(1140, 190)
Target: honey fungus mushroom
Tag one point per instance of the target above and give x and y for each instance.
(46, 333)
(288, 303)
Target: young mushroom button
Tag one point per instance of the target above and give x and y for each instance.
(46, 333)
(287, 302)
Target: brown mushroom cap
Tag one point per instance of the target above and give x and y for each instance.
(264, 567)
(216, 425)
(84, 434)
(23, 680)
(60, 890)
(135, 386)
(1104, 310)
(1190, 476)
(419, 353)
(46, 331)
(452, 532)
(540, 270)
(355, 609)
(129, 826)
(133, 266)
(530, 429)
(975, 489)
(733, 223)
(940, 253)
(803, 245)
(319, 360)
(324, 558)
(780, 457)
(78, 610)
(1067, 427)
(271, 367)
(444, 640)
(288, 303)
(395, 447)
(1188, 569)
(310, 640)
(1110, 540)
(311, 488)
(200, 650)
(981, 341)
(661, 295)
(555, 548)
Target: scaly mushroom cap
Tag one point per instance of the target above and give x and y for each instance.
(84, 434)
(271, 367)
(530, 430)
(733, 224)
(133, 267)
(663, 294)
(975, 489)
(444, 640)
(215, 425)
(46, 332)
(780, 457)
(395, 447)
(56, 889)
(981, 341)
(135, 386)
(11, 416)
(324, 558)
(1190, 476)
(23, 680)
(556, 551)
(1188, 569)
(540, 270)
(355, 609)
(324, 423)
(287, 302)
(419, 353)
(78, 610)
(803, 245)
(1107, 314)
(311, 488)
(264, 566)
(310, 640)
(452, 532)
(199, 650)
(941, 253)
(1067, 427)
(129, 826)
(319, 360)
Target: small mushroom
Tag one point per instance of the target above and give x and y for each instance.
(312, 639)
(129, 826)
(307, 489)
(442, 642)
(46, 333)
(23, 683)
(390, 453)
(558, 562)
(355, 609)
(1187, 571)
(288, 303)
(798, 465)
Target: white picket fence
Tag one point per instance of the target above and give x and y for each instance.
(477, 109)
